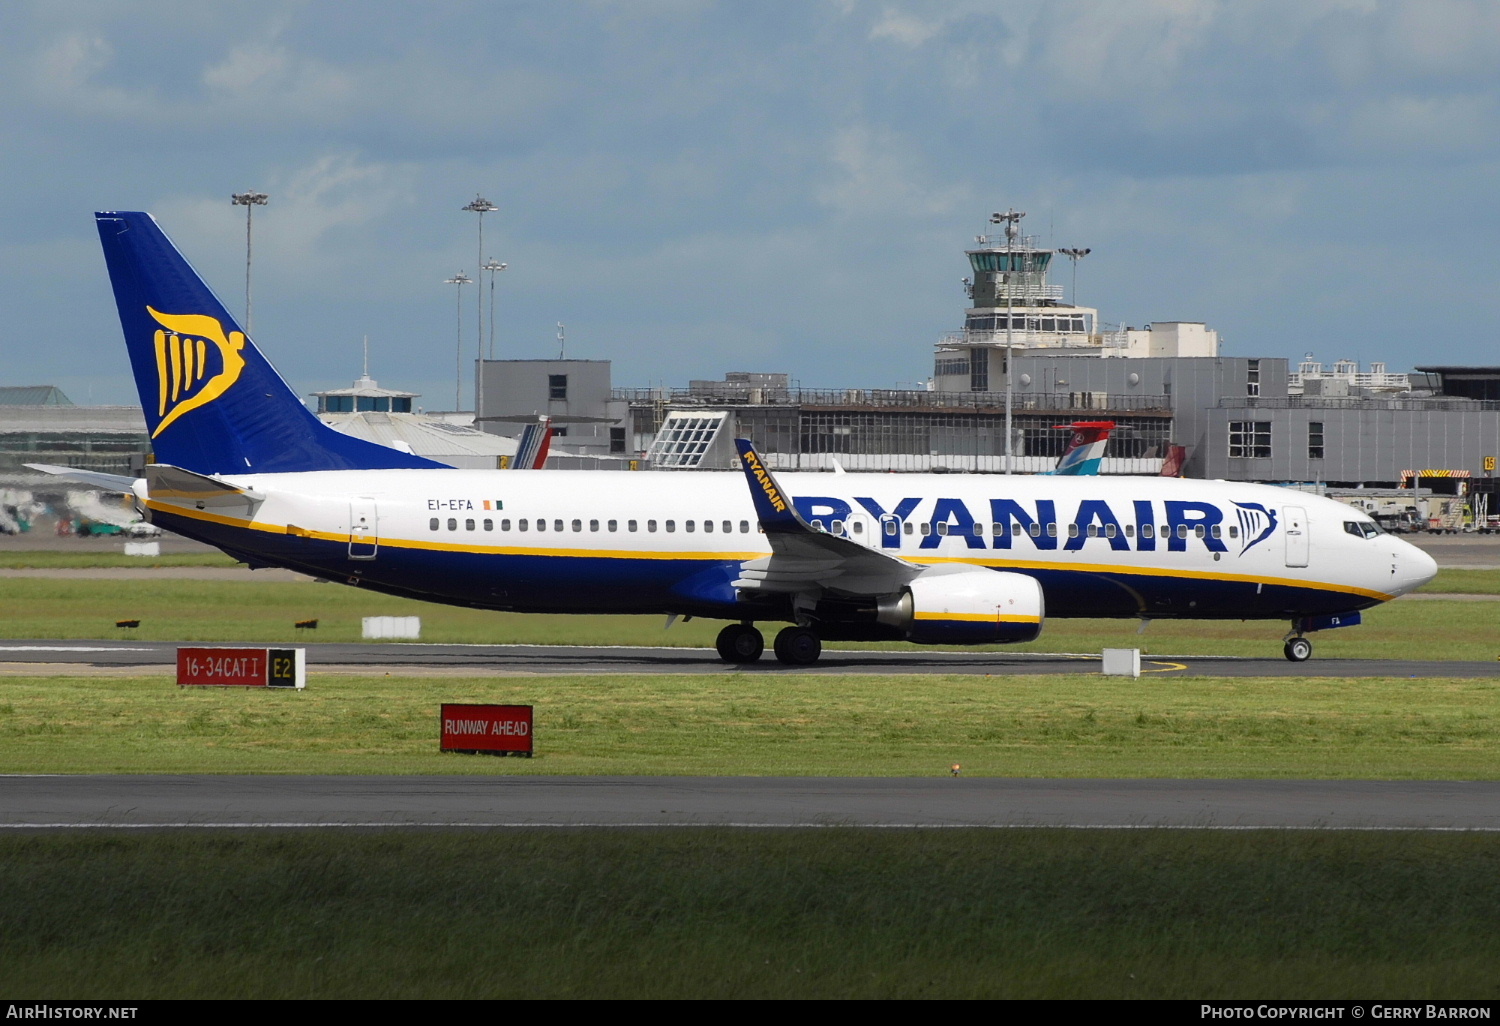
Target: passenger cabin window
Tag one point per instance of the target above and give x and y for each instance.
(578, 525)
(433, 523)
(489, 525)
(541, 525)
(744, 527)
(452, 524)
(505, 525)
(614, 525)
(688, 525)
(630, 525)
(1148, 530)
(671, 526)
(468, 525)
(729, 527)
(651, 526)
(1072, 530)
(557, 525)
(521, 525)
(593, 525)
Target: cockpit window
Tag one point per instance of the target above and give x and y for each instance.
(1361, 528)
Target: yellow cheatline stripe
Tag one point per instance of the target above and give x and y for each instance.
(1143, 571)
(1096, 568)
(979, 617)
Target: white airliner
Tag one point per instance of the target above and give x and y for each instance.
(943, 559)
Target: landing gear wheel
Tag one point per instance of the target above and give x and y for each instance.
(1298, 650)
(798, 646)
(740, 643)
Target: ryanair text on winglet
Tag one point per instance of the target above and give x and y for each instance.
(772, 494)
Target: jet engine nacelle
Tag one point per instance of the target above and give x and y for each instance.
(965, 606)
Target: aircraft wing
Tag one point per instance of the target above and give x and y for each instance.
(109, 482)
(804, 558)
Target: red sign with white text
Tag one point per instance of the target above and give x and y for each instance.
(241, 667)
(492, 729)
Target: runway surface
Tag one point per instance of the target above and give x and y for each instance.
(21, 657)
(132, 802)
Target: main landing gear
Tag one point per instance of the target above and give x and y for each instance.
(742, 643)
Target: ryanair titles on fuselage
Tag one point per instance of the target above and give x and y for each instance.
(1148, 525)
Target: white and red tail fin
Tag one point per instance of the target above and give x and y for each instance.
(531, 450)
(1085, 447)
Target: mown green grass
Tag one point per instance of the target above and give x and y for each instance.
(1465, 582)
(52, 560)
(1076, 725)
(737, 914)
(188, 610)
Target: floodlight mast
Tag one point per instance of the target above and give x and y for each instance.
(460, 279)
(1011, 219)
(1075, 255)
(248, 200)
(492, 266)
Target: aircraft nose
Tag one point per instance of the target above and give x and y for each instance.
(1413, 567)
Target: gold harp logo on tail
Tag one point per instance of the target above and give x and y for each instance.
(195, 363)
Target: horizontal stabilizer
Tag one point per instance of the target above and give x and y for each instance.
(177, 487)
(109, 482)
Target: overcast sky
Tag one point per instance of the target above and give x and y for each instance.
(776, 185)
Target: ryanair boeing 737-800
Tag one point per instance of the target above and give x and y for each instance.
(943, 559)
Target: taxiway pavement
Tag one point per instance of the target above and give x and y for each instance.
(109, 656)
(134, 802)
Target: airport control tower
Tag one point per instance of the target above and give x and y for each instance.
(1014, 308)
(1013, 305)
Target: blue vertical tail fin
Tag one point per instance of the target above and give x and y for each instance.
(213, 404)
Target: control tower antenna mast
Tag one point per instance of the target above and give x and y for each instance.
(1012, 221)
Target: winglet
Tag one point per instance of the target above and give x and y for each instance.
(772, 505)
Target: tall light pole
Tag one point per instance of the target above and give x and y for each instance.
(492, 266)
(248, 200)
(460, 279)
(1075, 255)
(1011, 219)
(480, 206)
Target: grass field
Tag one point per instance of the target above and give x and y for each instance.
(1083, 725)
(188, 610)
(55, 560)
(719, 913)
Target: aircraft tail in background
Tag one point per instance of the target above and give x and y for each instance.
(1085, 448)
(213, 404)
(532, 446)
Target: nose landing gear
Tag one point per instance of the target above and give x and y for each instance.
(1298, 649)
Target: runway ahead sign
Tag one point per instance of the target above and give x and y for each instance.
(242, 667)
(486, 729)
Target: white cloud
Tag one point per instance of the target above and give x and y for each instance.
(880, 179)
